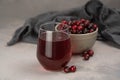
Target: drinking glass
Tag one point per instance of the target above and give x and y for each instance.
(54, 47)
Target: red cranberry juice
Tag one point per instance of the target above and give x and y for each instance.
(54, 53)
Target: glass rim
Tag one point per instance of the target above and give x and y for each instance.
(57, 23)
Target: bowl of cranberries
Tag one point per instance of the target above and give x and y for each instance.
(83, 34)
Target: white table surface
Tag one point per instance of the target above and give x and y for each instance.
(19, 62)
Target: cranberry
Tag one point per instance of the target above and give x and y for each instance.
(60, 27)
(86, 57)
(80, 28)
(64, 22)
(90, 52)
(73, 31)
(78, 23)
(82, 20)
(66, 69)
(74, 27)
(87, 22)
(91, 30)
(72, 68)
(95, 26)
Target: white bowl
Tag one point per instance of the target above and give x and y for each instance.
(82, 42)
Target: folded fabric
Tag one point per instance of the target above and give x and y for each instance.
(108, 21)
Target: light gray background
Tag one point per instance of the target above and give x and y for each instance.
(19, 62)
(27, 8)
(10, 10)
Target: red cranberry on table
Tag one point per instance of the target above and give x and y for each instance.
(72, 68)
(66, 69)
(86, 57)
(87, 54)
(90, 52)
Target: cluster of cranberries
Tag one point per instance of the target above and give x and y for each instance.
(69, 69)
(81, 26)
(86, 55)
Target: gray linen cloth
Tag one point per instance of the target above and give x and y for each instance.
(107, 19)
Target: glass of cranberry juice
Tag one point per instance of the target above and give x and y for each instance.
(54, 47)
